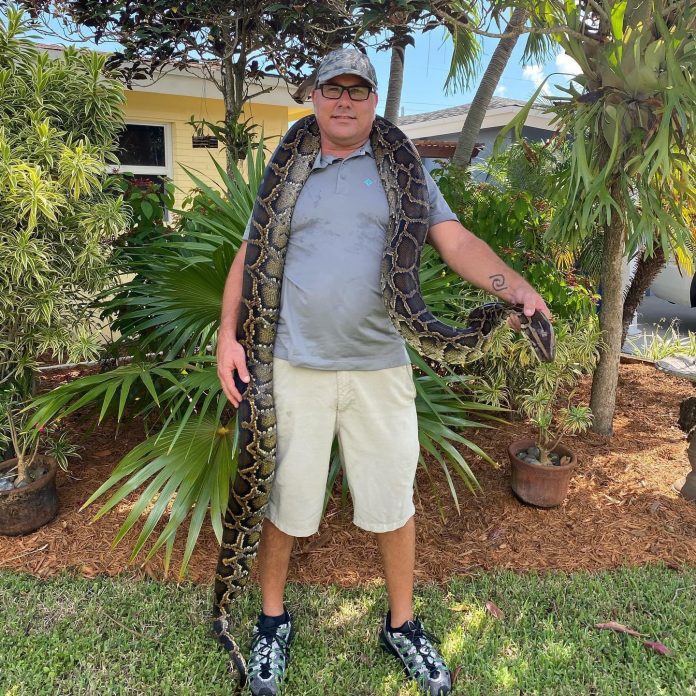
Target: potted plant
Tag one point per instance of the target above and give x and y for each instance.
(58, 126)
(28, 497)
(541, 468)
(511, 377)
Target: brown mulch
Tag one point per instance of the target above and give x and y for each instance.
(621, 508)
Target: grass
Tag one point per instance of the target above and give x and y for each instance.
(122, 636)
(656, 346)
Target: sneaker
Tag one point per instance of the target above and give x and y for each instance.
(413, 646)
(269, 655)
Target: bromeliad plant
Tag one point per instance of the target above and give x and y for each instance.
(170, 309)
(58, 125)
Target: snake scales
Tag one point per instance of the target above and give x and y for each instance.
(402, 176)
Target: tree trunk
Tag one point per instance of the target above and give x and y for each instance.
(606, 375)
(233, 98)
(484, 93)
(396, 81)
(647, 269)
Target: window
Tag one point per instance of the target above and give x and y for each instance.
(145, 156)
(145, 149)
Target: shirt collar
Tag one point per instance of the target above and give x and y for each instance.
(323, 161)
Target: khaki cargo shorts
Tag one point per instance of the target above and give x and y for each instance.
(374, 416)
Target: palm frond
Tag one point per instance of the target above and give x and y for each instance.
(465, 63)
(187, 477)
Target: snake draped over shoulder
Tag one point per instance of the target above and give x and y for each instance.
(403, 178)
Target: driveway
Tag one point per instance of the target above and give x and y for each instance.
(656, 316)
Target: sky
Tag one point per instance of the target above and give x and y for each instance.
(427, 65)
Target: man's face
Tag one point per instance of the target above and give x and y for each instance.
(344, 123)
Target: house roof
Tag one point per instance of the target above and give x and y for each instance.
(500, 111)
(461, 110)
(193, 82)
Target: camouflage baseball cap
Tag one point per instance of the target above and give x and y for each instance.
(346, 61)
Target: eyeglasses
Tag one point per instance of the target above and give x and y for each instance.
(356, 93)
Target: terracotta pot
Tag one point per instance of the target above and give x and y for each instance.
(24, 510)
(543, 486)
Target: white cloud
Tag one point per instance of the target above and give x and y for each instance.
(567, 64)
(500, 90)
(535, 74)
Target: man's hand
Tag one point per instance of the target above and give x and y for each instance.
(231, 357)
(527, 296)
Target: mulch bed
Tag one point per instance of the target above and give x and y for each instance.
(621, 508)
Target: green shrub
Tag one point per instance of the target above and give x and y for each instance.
(147, 203)
(58, 125)
(513, 222)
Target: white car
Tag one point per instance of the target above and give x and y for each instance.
(675, 285)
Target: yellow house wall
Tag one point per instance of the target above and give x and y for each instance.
(154, 107)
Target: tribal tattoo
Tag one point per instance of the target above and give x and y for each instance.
(498, 282)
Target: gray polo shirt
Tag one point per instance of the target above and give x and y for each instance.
(332, 316)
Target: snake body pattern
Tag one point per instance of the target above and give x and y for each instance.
(403, 179)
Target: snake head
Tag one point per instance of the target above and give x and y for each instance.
(539, 332)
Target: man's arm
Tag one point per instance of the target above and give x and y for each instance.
(472, 259)
(230, 353)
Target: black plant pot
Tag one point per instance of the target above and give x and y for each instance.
(24, 510)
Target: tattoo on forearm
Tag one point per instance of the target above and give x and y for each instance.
(498, 282)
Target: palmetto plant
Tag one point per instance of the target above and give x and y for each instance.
(58, 125)
(171, 310)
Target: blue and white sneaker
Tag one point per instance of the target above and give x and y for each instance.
(413, 646)
(269, 656)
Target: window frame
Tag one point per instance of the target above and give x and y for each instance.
(168, 168)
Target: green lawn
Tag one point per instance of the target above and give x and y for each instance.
(75, 636)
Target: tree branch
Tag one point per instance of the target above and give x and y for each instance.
(559, 29)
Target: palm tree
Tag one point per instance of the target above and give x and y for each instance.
(631, 121)
(401, 20)
(396, 79)
(486, 88)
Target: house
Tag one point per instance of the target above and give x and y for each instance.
(435, 133)
(158, 140)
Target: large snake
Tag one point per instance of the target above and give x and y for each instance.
(403, 178)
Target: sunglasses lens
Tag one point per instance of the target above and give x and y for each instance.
(358, 93)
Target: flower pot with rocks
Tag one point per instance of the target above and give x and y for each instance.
(543, 485)
(541, 468)
(27, 504)
(28, 497)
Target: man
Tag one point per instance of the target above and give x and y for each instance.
(340, 368)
